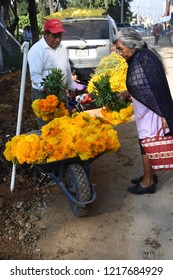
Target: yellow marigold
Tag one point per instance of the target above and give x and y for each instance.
(114, 66)
(48, 104)
(7, 153)
(49, 108)
(117, 118)
(65, 137)
(126, 113)
(61, 111)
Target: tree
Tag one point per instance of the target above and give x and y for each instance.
(43, 8)
(112, 7)
(22, 8)
(33, 20)
(92, 4)
(10, 17)
(115, 11)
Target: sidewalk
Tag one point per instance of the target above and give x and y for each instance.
(121, 225)
(166, 51)
(151, 231)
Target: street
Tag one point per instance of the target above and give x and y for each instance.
(121, 226)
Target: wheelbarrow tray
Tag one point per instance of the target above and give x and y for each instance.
(54, 166)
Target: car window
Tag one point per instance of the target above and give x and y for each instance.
(92, 29)
(137, 27)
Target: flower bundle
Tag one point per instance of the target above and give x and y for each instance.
(66, 137)
(108, 80)
(49, 108)
(117, 118)
(53, 106)
(76, 12)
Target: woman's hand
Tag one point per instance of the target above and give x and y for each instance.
(72, 94)
(124, 95)
(164, 123)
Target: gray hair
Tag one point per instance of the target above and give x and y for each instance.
(132, 40)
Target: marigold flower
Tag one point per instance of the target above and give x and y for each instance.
(49, 108)
(81, 136)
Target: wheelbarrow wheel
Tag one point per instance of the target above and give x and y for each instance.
(78, 185)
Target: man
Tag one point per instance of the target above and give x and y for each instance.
(157, 31)
(27, 34)
(46, 54)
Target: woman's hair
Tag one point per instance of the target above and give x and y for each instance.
(132, 40)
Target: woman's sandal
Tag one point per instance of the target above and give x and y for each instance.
(137, 189)
(138, 180)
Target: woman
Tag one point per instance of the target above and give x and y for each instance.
(153, 105)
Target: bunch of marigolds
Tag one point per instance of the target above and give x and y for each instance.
(105, 85)
(66, 137)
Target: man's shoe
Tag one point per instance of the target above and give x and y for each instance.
(138, 180)
(137, 189)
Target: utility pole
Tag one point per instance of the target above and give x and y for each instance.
(122, 11)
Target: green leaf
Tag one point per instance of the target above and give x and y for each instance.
(53, 83)
(104, 95)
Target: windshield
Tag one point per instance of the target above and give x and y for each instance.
(92, 29)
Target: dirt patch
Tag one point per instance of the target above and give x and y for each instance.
(22, 210)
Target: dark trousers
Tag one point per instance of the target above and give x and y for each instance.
(156, 40)
(36, 94)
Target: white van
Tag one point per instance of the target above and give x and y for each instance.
(87, 41)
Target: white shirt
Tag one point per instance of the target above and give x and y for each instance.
(41, 58)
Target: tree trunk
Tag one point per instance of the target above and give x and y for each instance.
(63, 4)
(51, 8)
(33, 20)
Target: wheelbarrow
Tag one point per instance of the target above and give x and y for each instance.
(72, 177)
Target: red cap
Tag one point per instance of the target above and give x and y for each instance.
(54, 26)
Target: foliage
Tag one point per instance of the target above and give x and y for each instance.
(22, 8)
(24, 20)
(91, 4)
(43, 9)
(104, 95)
(53, 83)
(115, 11)
(40, 23)
(111, 7)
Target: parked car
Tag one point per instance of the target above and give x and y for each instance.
(140, 29)
(123, 25)
(87, 41)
